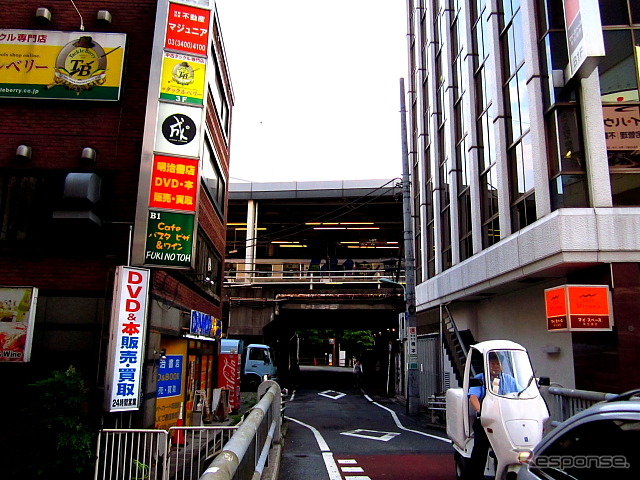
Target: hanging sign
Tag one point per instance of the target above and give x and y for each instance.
(126, 343)
(584, 36)
(578, 308)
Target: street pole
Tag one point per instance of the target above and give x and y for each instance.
(411, 352)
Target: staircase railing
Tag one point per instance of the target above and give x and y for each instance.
(453, 342)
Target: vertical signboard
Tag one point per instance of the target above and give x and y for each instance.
(127, 337)
(584, 36)
(172, 147)
(17, 319)
(229, 377)
(170, 386)
(555, 300)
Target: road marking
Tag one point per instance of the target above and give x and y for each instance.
(402, 427)
(352, 469)
(356, 477)
(332, 394)
(347, 461)
(327, 456)
(371, 435)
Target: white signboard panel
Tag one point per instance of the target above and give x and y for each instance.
(178, 130)
(127, 339)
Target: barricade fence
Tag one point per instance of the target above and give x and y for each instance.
(237, 452)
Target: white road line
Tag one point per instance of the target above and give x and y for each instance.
(347, 461)
(327, 456)
(352, 469)
(402, 427)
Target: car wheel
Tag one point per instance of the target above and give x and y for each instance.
(461, 466)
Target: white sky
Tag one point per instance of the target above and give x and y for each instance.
(317, 88)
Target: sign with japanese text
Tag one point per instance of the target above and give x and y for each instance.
(169, 239)
(17, 319)
(178, 131)
(622, 128)
(174, 183)
(584, 35)
(585, 307)
(167, 398)
(126, 342)
(170, 376)
(183, 78)
(187, 29)
(61, 65)
(555, 301)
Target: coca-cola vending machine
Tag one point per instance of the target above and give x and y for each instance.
(229, 365)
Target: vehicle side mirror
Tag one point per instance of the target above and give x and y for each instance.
(544, 381)
(475, 382)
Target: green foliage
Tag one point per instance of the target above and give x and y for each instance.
(353, 341)
(62, 442)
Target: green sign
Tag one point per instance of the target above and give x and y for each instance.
(169, 239)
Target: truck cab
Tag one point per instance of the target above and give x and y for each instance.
(256, 361)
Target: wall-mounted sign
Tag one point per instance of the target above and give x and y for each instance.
(183, 78)
(17, 318)
(174, 183)
(178, 130)
(61, 65)
(205, 325)
(126, 343)
(170, 376)
(584, 36)
(578, 308)
(187, 29)
(169, 239)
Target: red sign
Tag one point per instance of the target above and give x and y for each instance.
(555, 301)
(578, 308)
(229, 377)
(174, 183)
(187, 29)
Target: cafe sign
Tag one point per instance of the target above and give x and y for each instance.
(578, 308)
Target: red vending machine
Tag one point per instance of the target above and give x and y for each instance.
(229, 365)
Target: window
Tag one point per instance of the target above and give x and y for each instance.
(212, 178)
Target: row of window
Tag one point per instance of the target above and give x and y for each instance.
(443, 147)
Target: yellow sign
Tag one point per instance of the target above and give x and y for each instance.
(183, 78)
(50, 64)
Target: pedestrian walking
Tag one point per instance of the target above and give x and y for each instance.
(357, 373)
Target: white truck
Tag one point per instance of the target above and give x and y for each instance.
(256, 362)
(512, 411)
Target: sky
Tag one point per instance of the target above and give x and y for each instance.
(316, 87)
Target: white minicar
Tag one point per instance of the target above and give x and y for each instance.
(499, 380)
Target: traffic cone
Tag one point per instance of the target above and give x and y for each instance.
(178, 438)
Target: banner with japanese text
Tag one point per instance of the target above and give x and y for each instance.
(61, 65)
(127, 338)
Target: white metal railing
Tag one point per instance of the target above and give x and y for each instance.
(148, 454)
(239, 277)
(566, 402)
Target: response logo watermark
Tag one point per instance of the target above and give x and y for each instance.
(565, 462)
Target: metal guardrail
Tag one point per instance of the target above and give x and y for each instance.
(566, 402)
(245, 455)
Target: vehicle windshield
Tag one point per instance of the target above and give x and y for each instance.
(510, 374)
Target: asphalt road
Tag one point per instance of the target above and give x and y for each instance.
(338, 432)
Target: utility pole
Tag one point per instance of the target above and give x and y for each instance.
(411, 348)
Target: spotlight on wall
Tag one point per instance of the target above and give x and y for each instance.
(43, 15)
(104, 16)
(23, 152)
(88, 155)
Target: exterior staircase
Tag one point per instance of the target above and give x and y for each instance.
(456, 343)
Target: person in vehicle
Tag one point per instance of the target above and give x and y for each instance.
(502, 384)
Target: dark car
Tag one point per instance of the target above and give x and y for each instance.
(600, 442)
